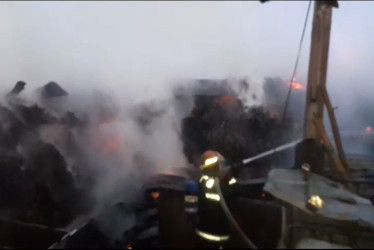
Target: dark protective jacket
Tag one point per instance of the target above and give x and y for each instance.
(213, 224)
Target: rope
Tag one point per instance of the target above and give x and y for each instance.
(237, 228)
(297, 61)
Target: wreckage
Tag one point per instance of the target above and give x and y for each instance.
(49, 200)
(37, 190)
(220, 121)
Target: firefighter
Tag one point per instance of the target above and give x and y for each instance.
(213, 225)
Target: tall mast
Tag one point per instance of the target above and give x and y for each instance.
(317, 64)
(317, 97)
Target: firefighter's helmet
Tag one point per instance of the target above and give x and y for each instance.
(211, 162)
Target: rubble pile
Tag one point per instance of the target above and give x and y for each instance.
(36, 185)
(56, 165)
(49, 178)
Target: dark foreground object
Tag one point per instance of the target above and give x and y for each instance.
(159, 221)
(15, 234)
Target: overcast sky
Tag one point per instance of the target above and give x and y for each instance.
(139, 46)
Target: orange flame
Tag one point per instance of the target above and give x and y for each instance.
(296, 85)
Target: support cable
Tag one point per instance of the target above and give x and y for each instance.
(297, 61)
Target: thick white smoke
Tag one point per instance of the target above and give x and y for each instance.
(124, 143)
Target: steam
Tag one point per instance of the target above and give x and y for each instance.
(120, 146)
(111, 144)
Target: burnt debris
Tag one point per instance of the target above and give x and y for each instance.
(36, 185)
(220, 121)
(56, 197)
(20, 85)
(48, 180)
(51, 90)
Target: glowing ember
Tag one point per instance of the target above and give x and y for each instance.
(155, 195)
(368, 129)
(227, 102)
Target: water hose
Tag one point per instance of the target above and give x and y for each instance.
(237, 228)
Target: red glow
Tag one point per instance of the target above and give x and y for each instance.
(227, 102)
(155, 195)
(368, 129)
(168, 172)
(111, 144)
(107, 139)
(296, 85)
